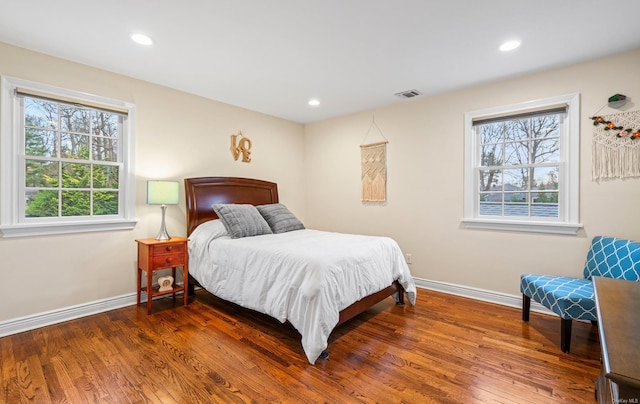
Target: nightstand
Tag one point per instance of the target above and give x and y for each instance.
(154, 255)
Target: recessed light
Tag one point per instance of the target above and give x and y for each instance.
(509, 46)
(141, 39)
(314, 102)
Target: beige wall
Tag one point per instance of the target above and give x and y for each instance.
(178, 135)
(425, 179)
(317, 167)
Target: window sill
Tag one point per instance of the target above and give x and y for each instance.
(523, 226)
(26, 230)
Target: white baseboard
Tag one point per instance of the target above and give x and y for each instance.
(34, 321)
(17, 325)
(480, 294)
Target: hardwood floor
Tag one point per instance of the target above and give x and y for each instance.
(446, 349)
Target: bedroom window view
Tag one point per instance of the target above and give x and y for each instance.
(71, 160)
(519, 167)
(66, 160)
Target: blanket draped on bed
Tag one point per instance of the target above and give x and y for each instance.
(304, 276)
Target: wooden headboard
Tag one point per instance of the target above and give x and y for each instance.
(203, 192)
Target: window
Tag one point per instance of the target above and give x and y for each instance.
(521, 167)
(66, 160)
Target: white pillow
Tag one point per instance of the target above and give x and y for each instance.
(205, 232)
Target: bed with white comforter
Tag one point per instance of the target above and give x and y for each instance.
(305, 276)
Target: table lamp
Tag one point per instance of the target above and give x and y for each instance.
(162, 193)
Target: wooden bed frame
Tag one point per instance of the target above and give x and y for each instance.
(203, 192)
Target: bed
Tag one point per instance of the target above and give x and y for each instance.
(287, 275)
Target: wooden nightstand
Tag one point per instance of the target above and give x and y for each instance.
(154, 255)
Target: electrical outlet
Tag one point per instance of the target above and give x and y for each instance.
(408, 258)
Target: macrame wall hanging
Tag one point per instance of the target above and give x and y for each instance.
(374, 168)
(616, 146)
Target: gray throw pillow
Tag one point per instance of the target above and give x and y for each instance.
(242, 220)
(280, 219)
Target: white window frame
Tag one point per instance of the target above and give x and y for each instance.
(568, 220)
(12, 222)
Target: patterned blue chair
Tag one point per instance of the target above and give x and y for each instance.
(572, 298)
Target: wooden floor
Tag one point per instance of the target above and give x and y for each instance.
(446, 349)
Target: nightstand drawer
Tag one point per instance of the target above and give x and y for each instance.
(167, 260)
(173, 248)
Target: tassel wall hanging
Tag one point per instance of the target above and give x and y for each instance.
(616, 146)
(374, 169)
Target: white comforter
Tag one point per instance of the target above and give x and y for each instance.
(303, 276)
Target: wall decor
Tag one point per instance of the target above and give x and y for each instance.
(374, 172)
(241, 145)
(616, 146)
(374, 168)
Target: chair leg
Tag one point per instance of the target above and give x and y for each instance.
(526, 307)
(565, 335)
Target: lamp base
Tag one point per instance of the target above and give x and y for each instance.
(163, 235)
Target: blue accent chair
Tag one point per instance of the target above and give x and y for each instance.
(572, 298)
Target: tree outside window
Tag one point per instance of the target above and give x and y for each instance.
(66, 160)
(518, 174)
(71, 160)
(521, 167)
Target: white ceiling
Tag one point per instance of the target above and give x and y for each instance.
(272, 56)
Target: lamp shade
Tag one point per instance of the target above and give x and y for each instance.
(162, 192)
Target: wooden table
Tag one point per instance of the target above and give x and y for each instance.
(618, 305)
(154, 255)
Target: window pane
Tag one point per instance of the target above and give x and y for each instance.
(516, 197)
(41, 204)
(545, 126)
(40, 114)
(76, 203)
(545, 204)
(516, 209)
(516, 153)
(105, 124)
(545, 197)
(105, 177)
(40, 142)
(492, 197)
(490, 179)
(517, 129)
(490, 208)
(41, 174)
(491, 133)
(516, 179)
(546, 150)
(105, 149)
(105, 203)
(76, 175)
(545, 177)
(491, 155)
(74, 146)
(74, 119)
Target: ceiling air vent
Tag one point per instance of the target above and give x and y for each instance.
(408, 94)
